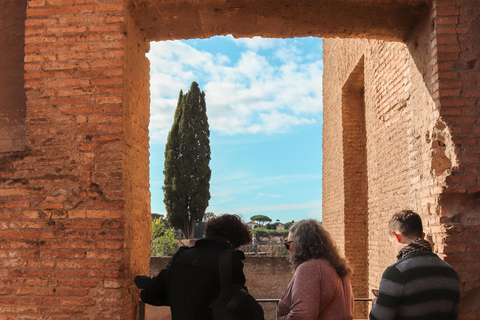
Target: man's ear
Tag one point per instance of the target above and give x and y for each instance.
(423, 235)
(397, 236)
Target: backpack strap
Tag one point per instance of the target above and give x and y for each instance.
(225, 267)
(331, 301)
(236, 300)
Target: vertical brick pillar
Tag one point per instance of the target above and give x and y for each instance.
(136, 117)
(74, 207)
(457, 45)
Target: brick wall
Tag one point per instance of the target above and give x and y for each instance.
(12, 95)
(74, 204)
(457, 43)
(74, 199)
(422, 141)
(136, 117)
(355, 177)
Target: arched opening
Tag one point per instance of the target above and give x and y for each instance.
(79, 197)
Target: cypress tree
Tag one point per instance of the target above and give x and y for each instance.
(187, 157)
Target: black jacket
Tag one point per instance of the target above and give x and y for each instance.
(193, 280)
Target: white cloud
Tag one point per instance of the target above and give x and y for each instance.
(228, 187)
(261, 194)
(257, 42)
(252, 95)
(280, 207)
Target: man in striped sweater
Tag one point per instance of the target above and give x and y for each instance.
(419, 285)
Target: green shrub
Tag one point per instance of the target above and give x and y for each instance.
(264, 232)
(163, 240)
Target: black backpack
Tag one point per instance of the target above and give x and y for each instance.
(234, 302)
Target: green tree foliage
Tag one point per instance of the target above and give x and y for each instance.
(200, 226)
(208, 216)
(163, 239)
(272, 226)
(264, 232)
(156, 216)
(187, 157)
(260, 219)
(288, 225)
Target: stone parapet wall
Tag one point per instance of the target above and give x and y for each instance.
(267, 278)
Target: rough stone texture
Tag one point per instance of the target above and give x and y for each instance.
(387, 19)
(74, 205)
(136, 117)
(74, 199)
(422, 143)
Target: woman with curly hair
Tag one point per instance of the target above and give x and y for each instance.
(320, 287)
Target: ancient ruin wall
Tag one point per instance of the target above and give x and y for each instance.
(422, 138)
(12, 95)
(74, 204)
(73, 191)
(136, 117)
(457, 44)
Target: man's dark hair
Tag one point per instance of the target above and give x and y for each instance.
(407, 222)
(230, 227)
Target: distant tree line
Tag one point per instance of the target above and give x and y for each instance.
(264, 232)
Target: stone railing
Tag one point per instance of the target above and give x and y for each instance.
(142, 314)
(274, 249)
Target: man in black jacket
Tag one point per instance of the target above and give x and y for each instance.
(191, 281)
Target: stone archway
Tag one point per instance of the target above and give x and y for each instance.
(74, 200)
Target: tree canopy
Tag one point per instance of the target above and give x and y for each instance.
(187, 157)
(288, 224)
(260, 219)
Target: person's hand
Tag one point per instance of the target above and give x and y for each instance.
(142, 281)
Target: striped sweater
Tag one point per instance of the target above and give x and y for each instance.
(421, 286)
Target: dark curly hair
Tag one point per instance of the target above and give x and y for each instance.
(230, 227)
(312, 241)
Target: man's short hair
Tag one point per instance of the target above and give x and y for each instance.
(407, 222)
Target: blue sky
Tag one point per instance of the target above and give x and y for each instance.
(264, 106)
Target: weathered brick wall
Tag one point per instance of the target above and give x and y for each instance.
(421, 113)
(457, 44)
(355, 177)
(74, 198)
(341, 188)
(69, 244)
(136, 117)
(12, 95)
